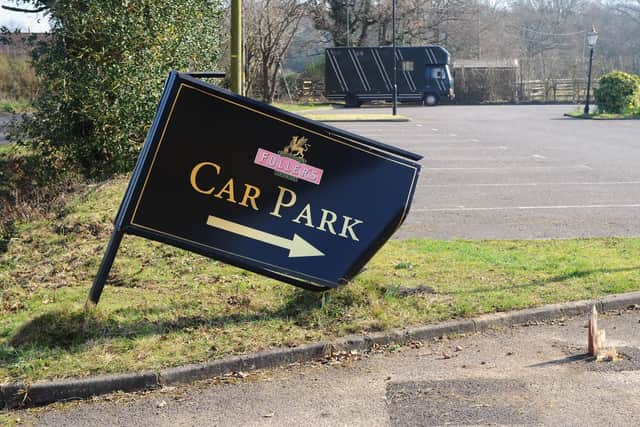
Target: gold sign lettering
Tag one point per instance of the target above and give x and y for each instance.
(194, 176)
(251, 192)
(280, 203)
(248, 188)
(286, 199)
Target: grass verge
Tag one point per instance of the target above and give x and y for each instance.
(6, 150)
(164, 307)
(356, 117)
(308, 106)
(9, 420)
(19, 106)
(602, 116)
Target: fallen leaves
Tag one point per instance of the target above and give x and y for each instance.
(336, 357)
(236, 374)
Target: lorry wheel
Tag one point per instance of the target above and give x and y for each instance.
(351, 101)
(430, 99)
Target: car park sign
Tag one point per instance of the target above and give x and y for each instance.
(269, 191)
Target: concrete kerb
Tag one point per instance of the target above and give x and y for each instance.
(260, 360)
(619, 302)
(15, 395)
(42, 393)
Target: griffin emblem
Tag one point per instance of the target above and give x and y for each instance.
(297, 147)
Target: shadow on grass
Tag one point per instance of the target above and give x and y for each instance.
(68, 330)
(541, 282)
(57, 329)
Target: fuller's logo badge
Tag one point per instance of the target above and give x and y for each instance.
(289, 163)
(297, 147)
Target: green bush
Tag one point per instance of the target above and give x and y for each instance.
(102, 70)
(618, 93)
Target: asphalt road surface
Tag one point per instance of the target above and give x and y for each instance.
(513, 171)
(535, 375)
(4, 121)
(516, 171)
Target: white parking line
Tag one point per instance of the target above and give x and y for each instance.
(538, 156)
(521, 208)
(530, 184)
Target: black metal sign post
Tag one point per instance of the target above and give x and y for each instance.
(251, 185)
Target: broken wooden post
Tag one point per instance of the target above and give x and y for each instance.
(593, 333)
(597, 341)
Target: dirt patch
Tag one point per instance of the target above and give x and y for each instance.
(404, 291)
(629, 361)
(459, 402)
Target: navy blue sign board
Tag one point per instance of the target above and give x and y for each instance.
(257, 187)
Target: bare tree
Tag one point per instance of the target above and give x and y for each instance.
(38, 6)
(270, 26)
(418, 21)
(630, 9)
(618, 23)
(544, 24)
(330, 16)
(425, 21)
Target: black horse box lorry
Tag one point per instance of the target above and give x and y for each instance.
(357, 75)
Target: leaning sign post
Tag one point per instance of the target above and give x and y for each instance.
(251, 185)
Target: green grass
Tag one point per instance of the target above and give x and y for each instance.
(6, 149)
(9, 420)
(165, 307)
(19, 106)
(12, 150)
(308, 106)
(602, 116)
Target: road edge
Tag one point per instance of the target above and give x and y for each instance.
(20, 395)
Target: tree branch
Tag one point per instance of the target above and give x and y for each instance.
(18, 9)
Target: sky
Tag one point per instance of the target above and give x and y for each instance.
(34, 22)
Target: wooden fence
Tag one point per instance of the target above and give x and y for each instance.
(554, 90)
(495, 90)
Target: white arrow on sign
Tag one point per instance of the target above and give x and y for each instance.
(298, 247)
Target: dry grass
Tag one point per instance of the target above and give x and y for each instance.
(17, 78)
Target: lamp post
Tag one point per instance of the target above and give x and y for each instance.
(592, 38)
(395, 64)
(348, 4)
